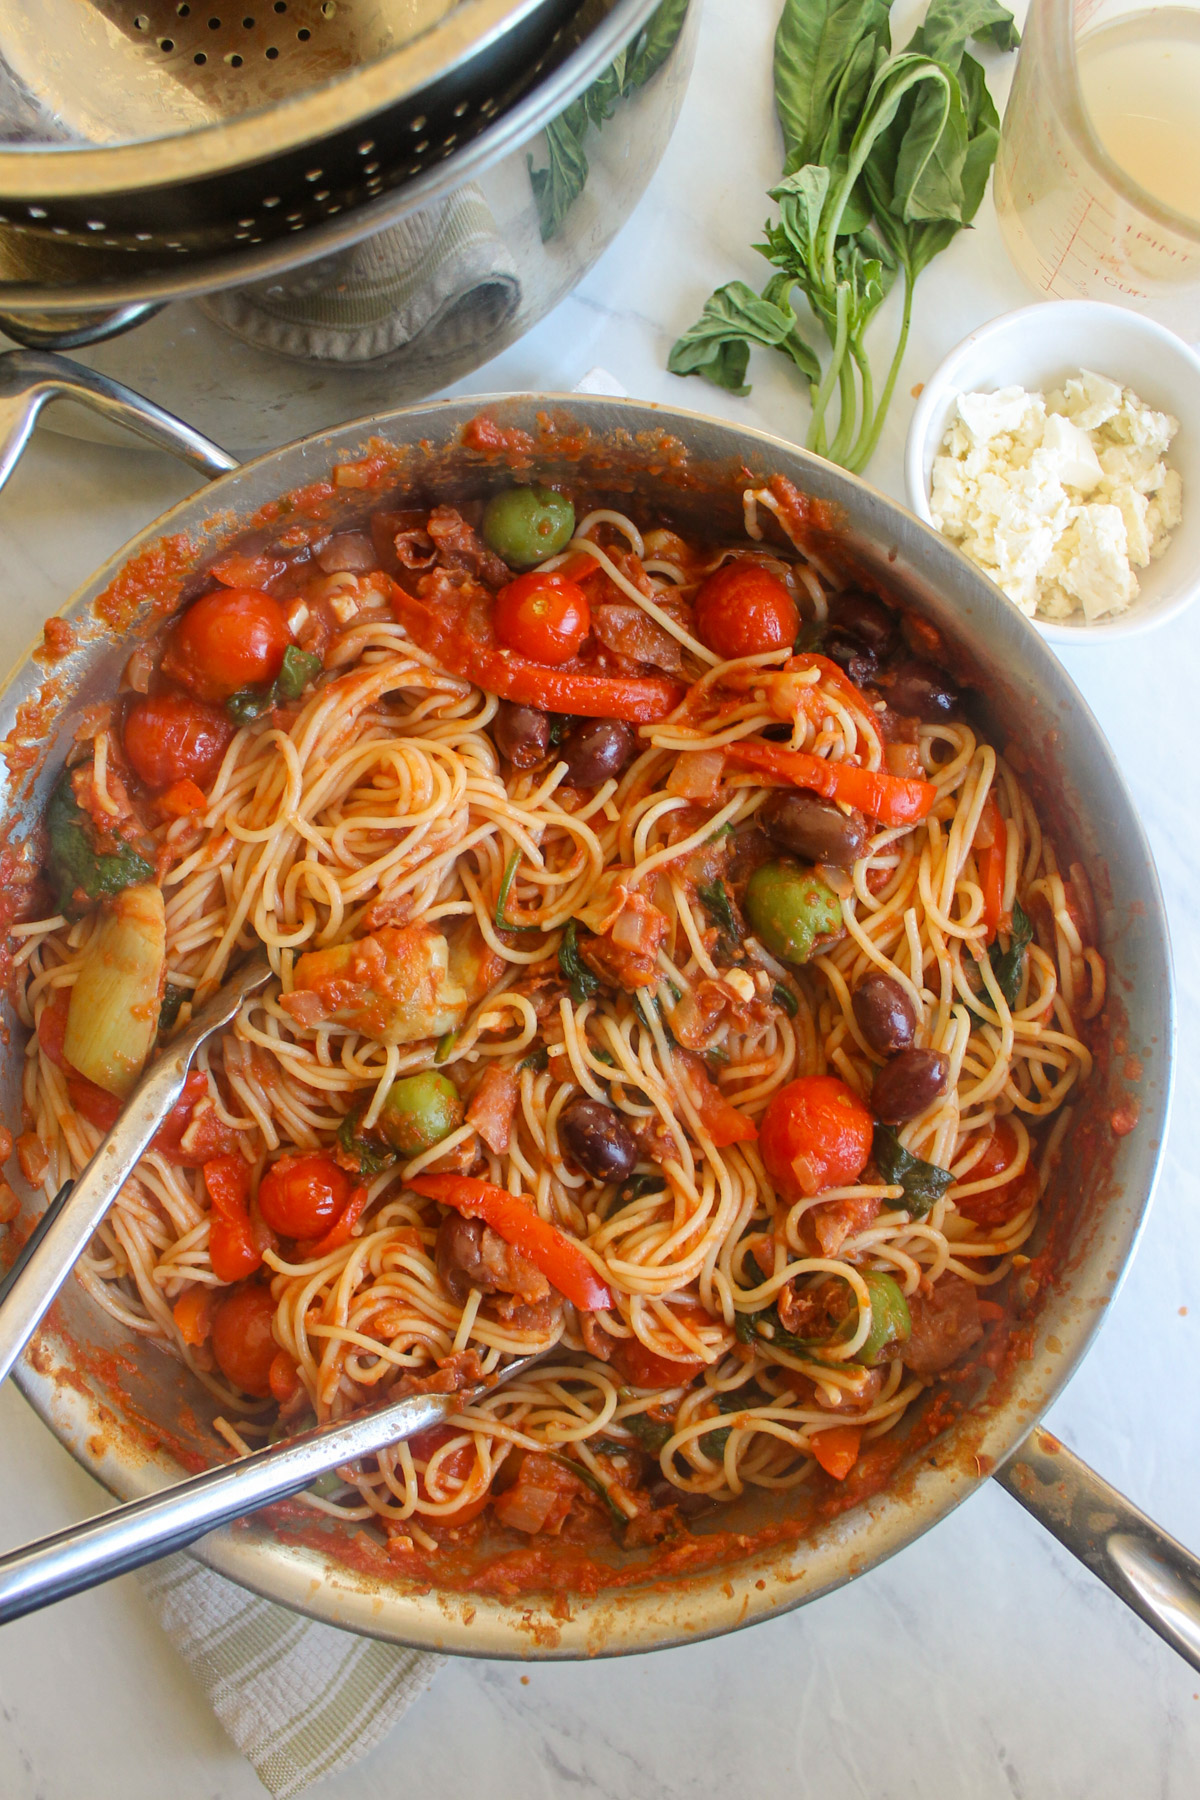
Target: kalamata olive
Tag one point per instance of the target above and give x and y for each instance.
(921, 689)
(884, 1014)
(907, 1084)
(522, 734)
(597, 1138)
(459, 1256)
(350, 551)
(867, 618)
(814, 830)
(853, 657)
(790, 908)
(597, 750)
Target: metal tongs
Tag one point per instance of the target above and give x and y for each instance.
(125, 1537)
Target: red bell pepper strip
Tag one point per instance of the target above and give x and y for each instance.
(719, 1117)
(232, 1249)
(339, 1232)
(640, 699)
(837, 1449)
(559, 1258)
(991, 868)
(102, 1110)
(892, 799)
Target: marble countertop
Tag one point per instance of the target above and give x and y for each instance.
(982, 1663)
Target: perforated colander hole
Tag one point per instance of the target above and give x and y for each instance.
(366, 147)
(200, 58)
(245, 224)
(272, 53)
(294, 218)
(313, 174)
(448, 143)
(271, 200)
(141, 23)
(234, 60)
(166, 45)
(96, 225)
(422, 147)
(183, 10)
(464, 106)
(371, 168)
(214, 24)
(488, 107)
(321, 194)
(327, 10)
(248, 24)
(281, 6)
(304, 34)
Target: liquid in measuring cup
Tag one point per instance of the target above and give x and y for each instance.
(1090, 74)
(1139, 79)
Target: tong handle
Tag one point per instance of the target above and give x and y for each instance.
(29, 379)
(62, 1235)
(128, 1536)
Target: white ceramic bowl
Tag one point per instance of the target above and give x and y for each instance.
(1036, 348)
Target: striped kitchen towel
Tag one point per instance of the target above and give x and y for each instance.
(300, 1700)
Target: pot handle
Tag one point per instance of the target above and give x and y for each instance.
(29, 379)
(1152, 1573)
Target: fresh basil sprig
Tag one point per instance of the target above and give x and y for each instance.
(714, 897)
(887, 158)
(1008, 966)
(924, 1183)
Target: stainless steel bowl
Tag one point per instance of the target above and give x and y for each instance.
(129, 1414)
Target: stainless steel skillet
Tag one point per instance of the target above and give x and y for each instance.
(130, 1417)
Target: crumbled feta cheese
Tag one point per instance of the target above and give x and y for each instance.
(1059, 497)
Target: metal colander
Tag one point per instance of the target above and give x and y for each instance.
(158, 130)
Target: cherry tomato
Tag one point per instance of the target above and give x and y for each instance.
(171, 737)
(242, 1340)
(229, 640)
(643, 1368)
(742, 610)
(455, 1467)
(283, 1377)
(232, 1249)
(545, 617)
(301, 1196)
(815, 1134)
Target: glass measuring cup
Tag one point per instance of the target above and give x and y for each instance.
(1076, 221)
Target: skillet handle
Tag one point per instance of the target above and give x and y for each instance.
(1150, 1571)
(29, 379)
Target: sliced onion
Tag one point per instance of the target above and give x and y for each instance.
(697, 774)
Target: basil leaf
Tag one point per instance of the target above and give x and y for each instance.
(717, 346)
(537, 1060)
(815, 42)
(1008, 966)
(299, 667)
(764, 1328)
(583, 982)
(74, 865)
(506, 881)
(924, 1183)
(783, 996)
(656, 43)
(714, 897)
(249, 704)
(370, 1155)
(558, 186)
(650, 1433)
(584, 1474)
(168, 1011)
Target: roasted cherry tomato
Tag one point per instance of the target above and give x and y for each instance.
(172, 737)
(301, 1196)
(545, 617)
(455, 1467)
(242, 1340)
(815, 1134)
(742, 610)
(229, 640)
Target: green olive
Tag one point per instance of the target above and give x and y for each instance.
(419, 1111)
(891, 1321)
(790, 907)
(525, 525)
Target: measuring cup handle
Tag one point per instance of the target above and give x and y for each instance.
(30, 379)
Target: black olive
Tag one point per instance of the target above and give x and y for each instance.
(813, 830)
(884, 1013)
(522, 734)
(853, 657)
(920, 689)
(907, 1084)
(597, 750)
(597, 1138)
(866, 618)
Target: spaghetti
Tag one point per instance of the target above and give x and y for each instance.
(692, 993)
